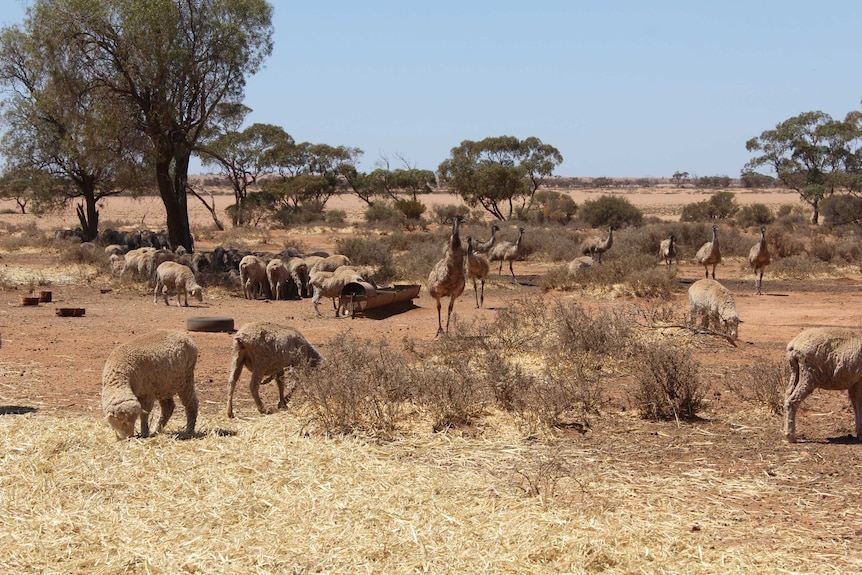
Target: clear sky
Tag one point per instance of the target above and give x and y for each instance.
(623, 88)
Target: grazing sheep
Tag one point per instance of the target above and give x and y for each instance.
(667, 250)
(578, 265)
(115, 249)
(484, 247)
(447, 278)
(252, 274)
(331, 284)
(277, 273)
(713, 304)
(477, 269)
(758, 259)
(709, 254)
(298, 269)
(598, 245)
(828, 358)
(172, 275)
(135, 263)
(507, 252)
(267, 349)
(153, 367)
(330, 264)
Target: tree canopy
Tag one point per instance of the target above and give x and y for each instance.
(501, 174)
(170, 65)
(812, 154)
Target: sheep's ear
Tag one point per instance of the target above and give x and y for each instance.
(740, 321)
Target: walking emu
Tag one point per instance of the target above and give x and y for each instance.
(758, 259)
(507, 252)
(709, 254)
(477, 269)
(447, 277)
(668, 250)
(598, 245)
(484, 247)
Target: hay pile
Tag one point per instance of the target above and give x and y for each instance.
(257, 496)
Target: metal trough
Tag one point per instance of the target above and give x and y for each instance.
(358, 297)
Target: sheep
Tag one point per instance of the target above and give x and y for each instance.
(277, 273)
(154, 366)
(598, 245)
(713, 304)
(252, 274)
(299, 273)
(828, 358)
(115, 249)
(758, 259)
(330, 264)
(579, 264)
(173, 275)
(667, 250)
(267, 349)
(477, 269)
(709, 254)
(331, 284)
(136, 262)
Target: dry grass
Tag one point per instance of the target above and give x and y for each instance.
(262, 497)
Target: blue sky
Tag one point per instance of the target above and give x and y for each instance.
(622, 88)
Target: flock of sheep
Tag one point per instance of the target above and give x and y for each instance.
(160, 365)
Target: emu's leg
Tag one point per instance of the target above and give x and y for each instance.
(476, 291)
(482, 297)
(167, 406)
(449, 313)
(514, 279)
(713, 270)
(439, 317)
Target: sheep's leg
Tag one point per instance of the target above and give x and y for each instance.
(167, 406)
(156, 291)
(236, 365)
(254, 387)
(190, 402)
(282, 397)
(855, 394)
(799, 387)
(146, 408)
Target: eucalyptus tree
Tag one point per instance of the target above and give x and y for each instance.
(499, 173)
(171, 63)
(60, 140)
(812, 154)
(243, 157)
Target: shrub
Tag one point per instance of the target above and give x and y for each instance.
(798, 267)
(369, 252)
(446, 213)
(754, 215)
(763, 382)
(381, 212)
(368, 396)
(610, 211)
(841, 209)
(550, 206)
(721, 205)
(668, 383)
(409, 208)
(335, 216)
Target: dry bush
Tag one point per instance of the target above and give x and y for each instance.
(363, 389)
(605, 333)
(244, 238)
(763, 383)
(15, 237)
(798, 267)
(668, 383)
(552, 244)
(369, 252)
(785, 242)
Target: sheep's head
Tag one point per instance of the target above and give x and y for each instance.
(123, 420)
(197, 293)
(732, 328)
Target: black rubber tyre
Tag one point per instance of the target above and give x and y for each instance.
(210, 324)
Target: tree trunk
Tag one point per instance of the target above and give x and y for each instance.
(89, 217)
(815, 215)
(172, 188)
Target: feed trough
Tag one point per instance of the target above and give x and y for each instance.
(359, 297)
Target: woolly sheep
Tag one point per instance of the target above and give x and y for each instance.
(331, 284)
(713, 304)
(172, 275)
(267, 349)
(252, 274)
(828, 358)
(155, 366)
(330, 264)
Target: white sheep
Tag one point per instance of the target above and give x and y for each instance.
(155, 366)
(330, 263)
(828, 358)
(267, 349)
(714, 305)
(331, 284)
(277, 273)
(252, 274)
(172, 275)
